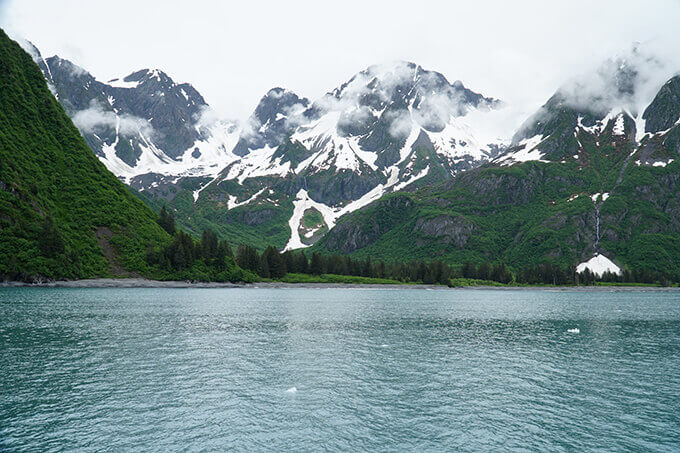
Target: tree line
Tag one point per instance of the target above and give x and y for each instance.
(183, 252)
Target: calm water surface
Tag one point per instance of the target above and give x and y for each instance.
(338, 369)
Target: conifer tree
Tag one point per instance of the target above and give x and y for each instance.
(316, 265)
(274, 263)
(167, 221)
(209, 245)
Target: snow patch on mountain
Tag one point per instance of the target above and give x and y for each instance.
(204, 158)
(598, 265)
(599, 196)
(257, 163)
(233, 203)
(658, 163)
(331, 149)
(412, 179)
(457, 139)
(301, 203)
(619, 126)
(331, 214)
(120, 83)
(526, 151)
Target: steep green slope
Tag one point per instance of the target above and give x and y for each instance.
(62, 213)
(261, 222)
(531, 213)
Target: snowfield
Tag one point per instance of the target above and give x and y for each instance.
(598, 265)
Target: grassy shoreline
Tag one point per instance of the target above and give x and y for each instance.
(326, 281)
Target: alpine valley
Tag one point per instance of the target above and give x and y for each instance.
(398, 163)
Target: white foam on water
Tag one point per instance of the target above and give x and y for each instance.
(292, 390)
(574, 330)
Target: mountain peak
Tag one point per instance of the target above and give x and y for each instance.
(278, 111)
(407, 84)
(144, 75)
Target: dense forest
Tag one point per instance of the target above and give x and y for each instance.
(212, 259)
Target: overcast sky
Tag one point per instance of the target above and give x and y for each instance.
(233, 52)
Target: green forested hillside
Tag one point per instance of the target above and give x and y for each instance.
(531, 213)
(62, 213)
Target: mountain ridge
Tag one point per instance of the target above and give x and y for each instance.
(575, 184)
(387, 128)
(397, 127)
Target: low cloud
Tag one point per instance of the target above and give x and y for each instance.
(432, 100)
(294, 115)
(95, 119)
(401, 124)
(629, 81)
(30, 49)
(206, 117)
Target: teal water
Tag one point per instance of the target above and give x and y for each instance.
(379, 370)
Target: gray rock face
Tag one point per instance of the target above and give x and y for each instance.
(275, 117)
(145, 107)
(336, 188)
(503, 189)
(171, 109)
(349, 236)
(258, 217)
(664, 111)
(452, 230)
(157, 185)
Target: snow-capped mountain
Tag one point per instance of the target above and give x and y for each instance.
(389, 121)
(389, 127)
(143, 126)
(591, 181)
(612, 108)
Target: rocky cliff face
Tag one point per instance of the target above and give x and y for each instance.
(143, 109)
(148, 130)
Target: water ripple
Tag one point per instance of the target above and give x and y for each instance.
(300, 370)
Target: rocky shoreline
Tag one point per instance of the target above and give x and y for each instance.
(144, 283)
